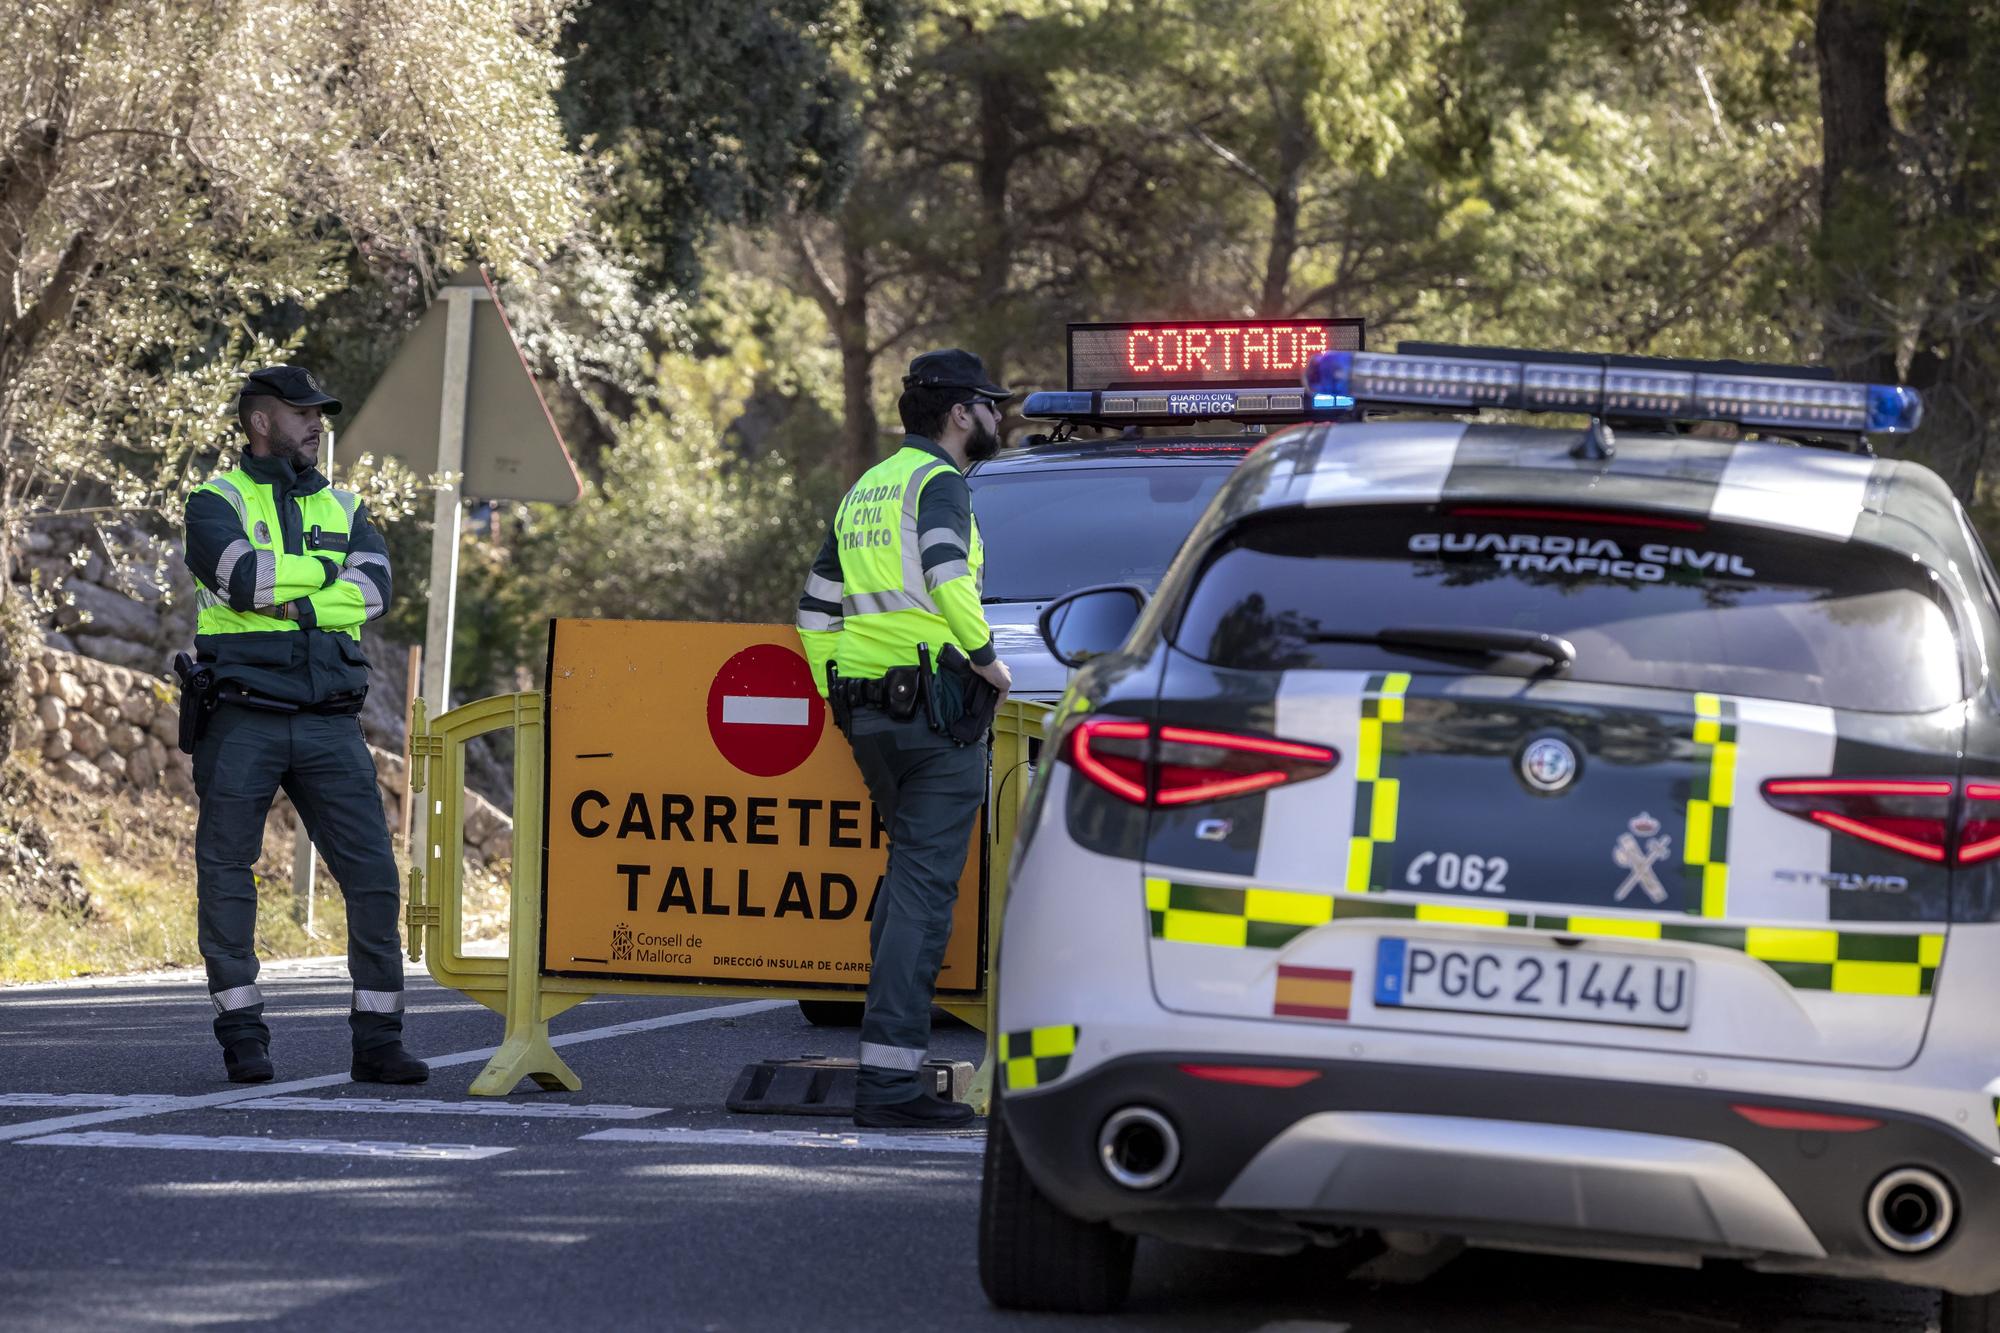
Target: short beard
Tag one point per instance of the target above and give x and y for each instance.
(983, 443)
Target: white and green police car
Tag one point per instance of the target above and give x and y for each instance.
(1577, 839)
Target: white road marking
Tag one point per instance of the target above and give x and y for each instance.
(31, 1128)
(766, 710)
(164, 1101)
(969, 1142)
(236, 1143)
(419, 1106)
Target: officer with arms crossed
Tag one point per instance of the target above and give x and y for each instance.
(287, 570)
(894, 590)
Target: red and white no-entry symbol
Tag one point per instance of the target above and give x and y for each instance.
(763, 711)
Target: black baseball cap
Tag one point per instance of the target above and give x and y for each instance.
(294, 384)
(953, 369)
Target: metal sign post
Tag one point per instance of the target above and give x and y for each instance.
(448, 515)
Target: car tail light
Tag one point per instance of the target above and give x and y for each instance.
(1162, 765)
(1907, 815)
(1979, 834)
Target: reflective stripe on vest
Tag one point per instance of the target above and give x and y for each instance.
(331, 511)
(886, 604)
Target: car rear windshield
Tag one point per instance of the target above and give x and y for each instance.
(1680, 605)
(1048, 533)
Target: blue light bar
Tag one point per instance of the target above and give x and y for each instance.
(1616, 391)
(1057, 403)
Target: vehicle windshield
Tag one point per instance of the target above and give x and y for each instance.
(1718, 607)
(1048, 533)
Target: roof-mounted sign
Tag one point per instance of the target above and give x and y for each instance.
(1204, 354)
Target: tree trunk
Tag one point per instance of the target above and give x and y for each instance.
(997, 146)
(1294, 148)
(1858, 192)
(860, 433)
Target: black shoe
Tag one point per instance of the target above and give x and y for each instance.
(388, 1064)
(922, 1111)
(248, 1061)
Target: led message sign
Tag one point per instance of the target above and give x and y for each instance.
(1220, 353)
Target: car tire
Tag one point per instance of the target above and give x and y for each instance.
(831, 1013)
(1970, 1314)
(1034, 1256)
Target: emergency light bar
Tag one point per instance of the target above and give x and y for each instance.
(1271, 404)
(1618, 388)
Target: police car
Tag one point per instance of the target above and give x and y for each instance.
(1576, 839)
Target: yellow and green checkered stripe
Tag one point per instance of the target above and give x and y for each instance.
(1037, 1056)
(1846, 962)
(1376, 788)
(1705, 850)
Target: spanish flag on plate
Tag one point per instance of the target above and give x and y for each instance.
(1313, 992)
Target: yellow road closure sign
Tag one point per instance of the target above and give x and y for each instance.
(706, 821)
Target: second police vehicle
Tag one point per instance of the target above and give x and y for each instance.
(1581, 838)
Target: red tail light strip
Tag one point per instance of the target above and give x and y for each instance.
(1923, 851)
(1254, 1076)
(1097, 766)
(1855, 787)
(1779, 1117)
(1185, 765)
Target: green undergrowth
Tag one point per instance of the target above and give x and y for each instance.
(107, 884)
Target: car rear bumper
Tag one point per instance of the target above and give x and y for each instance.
(1514, 1158)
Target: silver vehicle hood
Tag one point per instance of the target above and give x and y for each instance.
(1037, 675)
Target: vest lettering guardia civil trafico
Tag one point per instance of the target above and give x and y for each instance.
(886, 607)
(326, 518)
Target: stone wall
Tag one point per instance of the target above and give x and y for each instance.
(106, 728)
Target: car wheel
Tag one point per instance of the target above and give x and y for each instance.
(831, 1013)
(1034, 1256)
(1971, 1314)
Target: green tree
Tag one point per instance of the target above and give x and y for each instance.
(187, 181)
(718, 112)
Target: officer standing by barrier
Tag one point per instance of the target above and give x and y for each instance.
(895, 590)
(287, 570)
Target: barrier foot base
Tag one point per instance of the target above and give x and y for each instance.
(979, 1096)
(525, 1057)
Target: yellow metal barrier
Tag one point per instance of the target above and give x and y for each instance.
(515, 986)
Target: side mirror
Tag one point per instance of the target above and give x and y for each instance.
(1080, 625)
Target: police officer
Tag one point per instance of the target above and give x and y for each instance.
(896, 581)
(287, 570)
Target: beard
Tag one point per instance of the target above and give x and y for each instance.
(983, 444)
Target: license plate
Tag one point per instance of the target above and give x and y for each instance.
(1578, 985)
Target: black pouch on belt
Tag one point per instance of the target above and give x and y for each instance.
(197, 700)
(966, 703)
(903, 692)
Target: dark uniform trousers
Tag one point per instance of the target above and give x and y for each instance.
(929, 791)
(324, 766)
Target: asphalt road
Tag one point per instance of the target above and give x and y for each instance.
(139, 1190)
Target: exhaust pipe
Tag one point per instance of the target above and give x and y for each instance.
(1910, 1210)
(1138, 1147)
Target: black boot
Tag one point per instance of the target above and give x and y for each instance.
(247, 1061)
(922, 1111)
(388, 1064)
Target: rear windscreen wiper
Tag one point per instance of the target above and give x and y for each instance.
(1461, 639)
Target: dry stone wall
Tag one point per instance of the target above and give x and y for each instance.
(107, 729)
